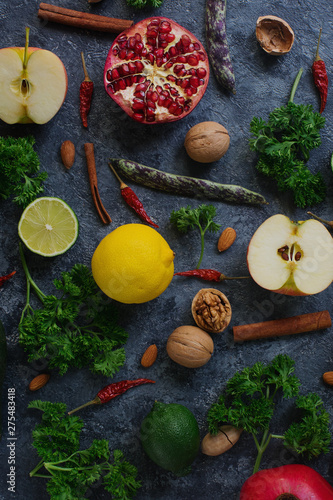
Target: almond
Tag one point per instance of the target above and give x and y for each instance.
(149, 356)
(67, 152)
(226, 239)
(39, 381)
(328, 378)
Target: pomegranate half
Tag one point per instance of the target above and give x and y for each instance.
(157, 71)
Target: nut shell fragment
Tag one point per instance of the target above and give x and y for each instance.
(190, 346)
(211, 310)
(274, 35)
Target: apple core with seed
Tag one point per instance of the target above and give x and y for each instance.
(33, 84)
(292, 258)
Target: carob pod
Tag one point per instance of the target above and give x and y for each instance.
(3, 365)
(184, 185)
(217, 44)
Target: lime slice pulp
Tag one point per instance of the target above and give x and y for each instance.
(48, 226)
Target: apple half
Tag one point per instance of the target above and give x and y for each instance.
(33, 84)
(292, 258)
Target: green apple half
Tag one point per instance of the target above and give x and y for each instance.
(33, 84)
(292, 258)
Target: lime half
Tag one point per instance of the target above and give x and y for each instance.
(48, 226)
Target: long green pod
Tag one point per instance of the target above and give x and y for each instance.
(184, 185)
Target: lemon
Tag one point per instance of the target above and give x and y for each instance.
(170, 436)
(133, 264)
(48, 226)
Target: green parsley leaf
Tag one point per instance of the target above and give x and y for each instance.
(249, 403)
(20, 175)
(284, 143)
(76, 328)
(72, 471)
(187, 218)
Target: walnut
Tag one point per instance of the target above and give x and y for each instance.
(206, 142)
(190, 346)
(211, 310)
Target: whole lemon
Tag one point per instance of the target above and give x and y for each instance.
(133, 264)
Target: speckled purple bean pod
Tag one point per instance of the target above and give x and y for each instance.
(217, 44)
(184, 185)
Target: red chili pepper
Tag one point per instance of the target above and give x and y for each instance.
(320, 77)
(209, 275)
(132, 200)
(5, 278)
(86, 91)
(113, 390)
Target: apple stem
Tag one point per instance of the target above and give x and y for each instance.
(25, 58)
(86, 76)
(328, 222)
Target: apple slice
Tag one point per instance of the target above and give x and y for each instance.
(33, 84)
(292, 258)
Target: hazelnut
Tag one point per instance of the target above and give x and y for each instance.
(207, 142)
(274, 35)
(211, 310)
(190, 346)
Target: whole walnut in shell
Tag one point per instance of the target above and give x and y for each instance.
(190, 346)
(207, 142)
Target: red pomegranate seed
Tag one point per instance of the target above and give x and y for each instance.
(138, 48)
(194, 81)
(122, 54)
(138, 117)
(131, 67)
(167, 102)
(180, 100)
(151, 41)
(171, 78)
(124, 70)
(189, 91)
(174, 92)
(173, 51)
(201, 56)
(181, 59)
(201, 72)
(185, 83)
(192, 60)
(154, 22)
(151, 104)
(139, 66)
(151, 58)
(131, 42)
(138, 104)
(122, 84)
(165, 27)
(170, 38)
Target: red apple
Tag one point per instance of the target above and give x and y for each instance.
(33, 84)
(292, 258)
(289, 482)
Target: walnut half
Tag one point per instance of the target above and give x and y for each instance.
(211, 310)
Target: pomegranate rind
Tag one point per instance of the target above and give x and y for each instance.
(156, 71)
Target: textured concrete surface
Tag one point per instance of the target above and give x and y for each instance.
(263, 82)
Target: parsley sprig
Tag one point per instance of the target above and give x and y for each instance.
(140, 4)
(249, 403)
(284, 143)
(75, 328)
(20, 175)
(71, 471)
(187, 218)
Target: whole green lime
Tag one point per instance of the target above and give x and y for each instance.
(170, 436)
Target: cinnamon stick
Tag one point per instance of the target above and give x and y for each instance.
(78, 19)
(286, 326)
(91, 165)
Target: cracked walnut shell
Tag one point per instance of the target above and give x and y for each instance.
(274, 35)
(211, 310)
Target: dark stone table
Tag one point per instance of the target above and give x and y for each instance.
(263, 82)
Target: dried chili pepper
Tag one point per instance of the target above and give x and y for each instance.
(86, 91)
(320, 77)
(209, 275)
(5, 278)
(113, 390)
(132, 200)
